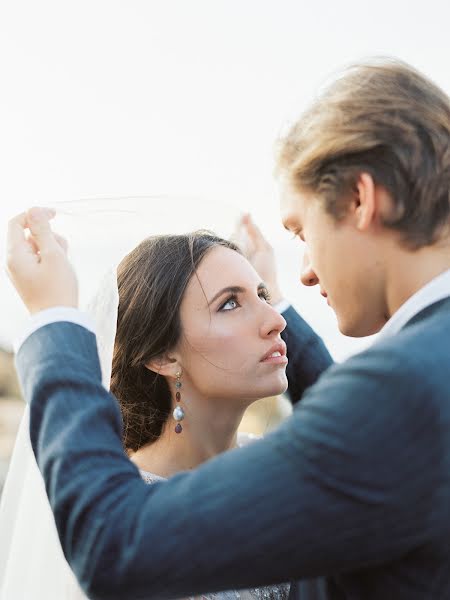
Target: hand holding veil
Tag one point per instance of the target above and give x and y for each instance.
(100, 233)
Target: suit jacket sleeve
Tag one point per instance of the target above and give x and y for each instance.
(334, 488)
(307, 354)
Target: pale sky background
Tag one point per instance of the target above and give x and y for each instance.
(105, 98)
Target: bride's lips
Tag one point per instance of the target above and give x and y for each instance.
(276, 355)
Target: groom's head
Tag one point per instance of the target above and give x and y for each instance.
(365, 178)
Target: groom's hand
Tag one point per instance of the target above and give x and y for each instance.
(37, 262)
(259, 253)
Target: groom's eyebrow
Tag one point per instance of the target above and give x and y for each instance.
(234, 289)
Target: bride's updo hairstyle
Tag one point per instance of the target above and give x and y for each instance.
(152, 280)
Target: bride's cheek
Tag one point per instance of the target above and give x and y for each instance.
(220, 341)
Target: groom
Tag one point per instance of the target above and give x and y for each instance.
(351, 495)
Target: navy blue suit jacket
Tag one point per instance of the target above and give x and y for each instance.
(350, 495)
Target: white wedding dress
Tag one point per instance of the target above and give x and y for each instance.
(273, 592)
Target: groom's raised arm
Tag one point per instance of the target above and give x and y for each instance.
(329, 491)
(353, 478)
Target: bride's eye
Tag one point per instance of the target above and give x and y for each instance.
(230, 304)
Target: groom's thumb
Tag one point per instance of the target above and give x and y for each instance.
(38, 221)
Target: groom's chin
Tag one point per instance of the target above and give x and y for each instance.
(362, 327)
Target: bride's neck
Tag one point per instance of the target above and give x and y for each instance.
(209, 428)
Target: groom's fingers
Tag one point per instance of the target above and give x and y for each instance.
(240, 237)
(17, 246)
(62, 242)
(28, 235)
(38, 223)
(254, 233)
(37, 262)
(16, 231)
(32, 243)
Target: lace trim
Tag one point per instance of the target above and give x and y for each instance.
(273, 592)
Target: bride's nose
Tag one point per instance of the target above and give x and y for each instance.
(273, 324)
(308, 276)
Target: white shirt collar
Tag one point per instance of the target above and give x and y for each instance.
(437, 289)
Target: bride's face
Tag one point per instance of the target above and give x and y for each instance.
(230, 331)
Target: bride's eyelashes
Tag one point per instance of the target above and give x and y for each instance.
(230, 299)
(233, 299)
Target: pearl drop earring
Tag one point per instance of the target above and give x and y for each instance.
(178, 412)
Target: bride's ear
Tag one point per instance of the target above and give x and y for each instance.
(164, 365)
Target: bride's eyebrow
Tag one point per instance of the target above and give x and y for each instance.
(234, 289)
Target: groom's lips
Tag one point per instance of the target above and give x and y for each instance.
(325, 295)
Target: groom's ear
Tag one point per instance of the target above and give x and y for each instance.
(373, 203)
(164, 365)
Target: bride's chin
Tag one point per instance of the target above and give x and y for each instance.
(267, 388)
(278, 387)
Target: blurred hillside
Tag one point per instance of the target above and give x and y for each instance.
(11, 409)
(9, 386)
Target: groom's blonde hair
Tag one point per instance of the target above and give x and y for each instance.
(386, 119)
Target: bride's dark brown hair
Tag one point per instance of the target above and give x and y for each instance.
(151, 280)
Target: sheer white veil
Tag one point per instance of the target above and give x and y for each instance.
(100, 232)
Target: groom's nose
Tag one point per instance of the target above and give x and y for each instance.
(307, 275)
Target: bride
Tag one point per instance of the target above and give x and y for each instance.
(197, 342)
